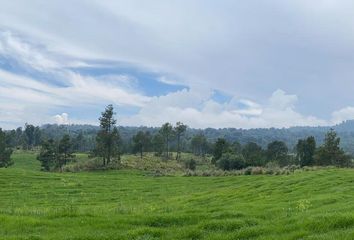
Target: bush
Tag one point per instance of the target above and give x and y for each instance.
(292, 168)
(248, 171)
(5, 158)
(191, 164)
(257, 171)
(229, 161)
(5, 151)
(90, 165)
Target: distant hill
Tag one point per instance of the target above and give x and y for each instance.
(261, 136)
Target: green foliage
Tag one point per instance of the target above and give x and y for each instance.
(108, 137)
(5, 151)
(32, 136)
(330, 153)
(230, 161)
(128, 204)
(48, 155)
(179, 130)
(191, 164)
(199, 145)
(84, 136)
(166, 131)
(278, 151)
(65, 151)
(54, 155)
(221, 146)
(158, 144)
(253, 154)
(236, 147)
(142, 142)
(305, 151)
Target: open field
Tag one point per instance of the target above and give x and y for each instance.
(130, 204)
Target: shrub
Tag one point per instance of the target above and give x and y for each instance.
(272, 165)
(5, 151)
(191, 164)
(256, 171)
(229, 161)
(292, 168)
(248, 171)
(90, 165)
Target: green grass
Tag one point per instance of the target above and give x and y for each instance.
(130, 204)
(149, 163)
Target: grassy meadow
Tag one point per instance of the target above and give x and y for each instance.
(133, 204)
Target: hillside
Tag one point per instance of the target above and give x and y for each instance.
(261, 136)
(129, 204)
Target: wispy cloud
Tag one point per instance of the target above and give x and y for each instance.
(278, 111)
(26, 92)
(245, 49)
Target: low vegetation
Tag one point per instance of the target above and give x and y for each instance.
(130, 204)
(164, 186)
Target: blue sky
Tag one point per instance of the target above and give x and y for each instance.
(207, 63)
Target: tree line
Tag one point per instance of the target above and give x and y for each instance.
(229, 156)
(109, 145)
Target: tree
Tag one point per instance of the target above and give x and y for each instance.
(78, 142)
(48, 155)
(142, 141)
(191, 164)
(158, 144)
(65, 152)
(29, 136)
(199, 145)
(37, 136)
(236, 147)
(108, 137)
(166, 132)
(330, 153)
(253, 154)
(19, 136)
(179, 130)
(5, 151)
(230, 161)
(305, 151)
(221, 146)
(11, 138)
(277, 151)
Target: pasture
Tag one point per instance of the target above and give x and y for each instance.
(132, 204)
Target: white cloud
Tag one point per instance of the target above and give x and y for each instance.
(281, 101)
(62, 119)
(247, 48)
(244, 48)
(279, 111)
(26, 93)
(343, 115)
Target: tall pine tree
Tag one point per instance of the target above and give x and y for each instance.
(108, 137)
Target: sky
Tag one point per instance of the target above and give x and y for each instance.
(243, 64)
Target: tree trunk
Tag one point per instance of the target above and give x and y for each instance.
(168, 148)
(178, 148)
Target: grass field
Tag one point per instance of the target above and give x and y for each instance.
(130, 204)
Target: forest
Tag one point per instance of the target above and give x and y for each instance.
(56, 145)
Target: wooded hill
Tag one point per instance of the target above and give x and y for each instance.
(261, 136)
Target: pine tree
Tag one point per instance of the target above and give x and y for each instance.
(5, 151)
(166, 132)
(48, 155)
(65, 151)
(108, 137)
(180, 129)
